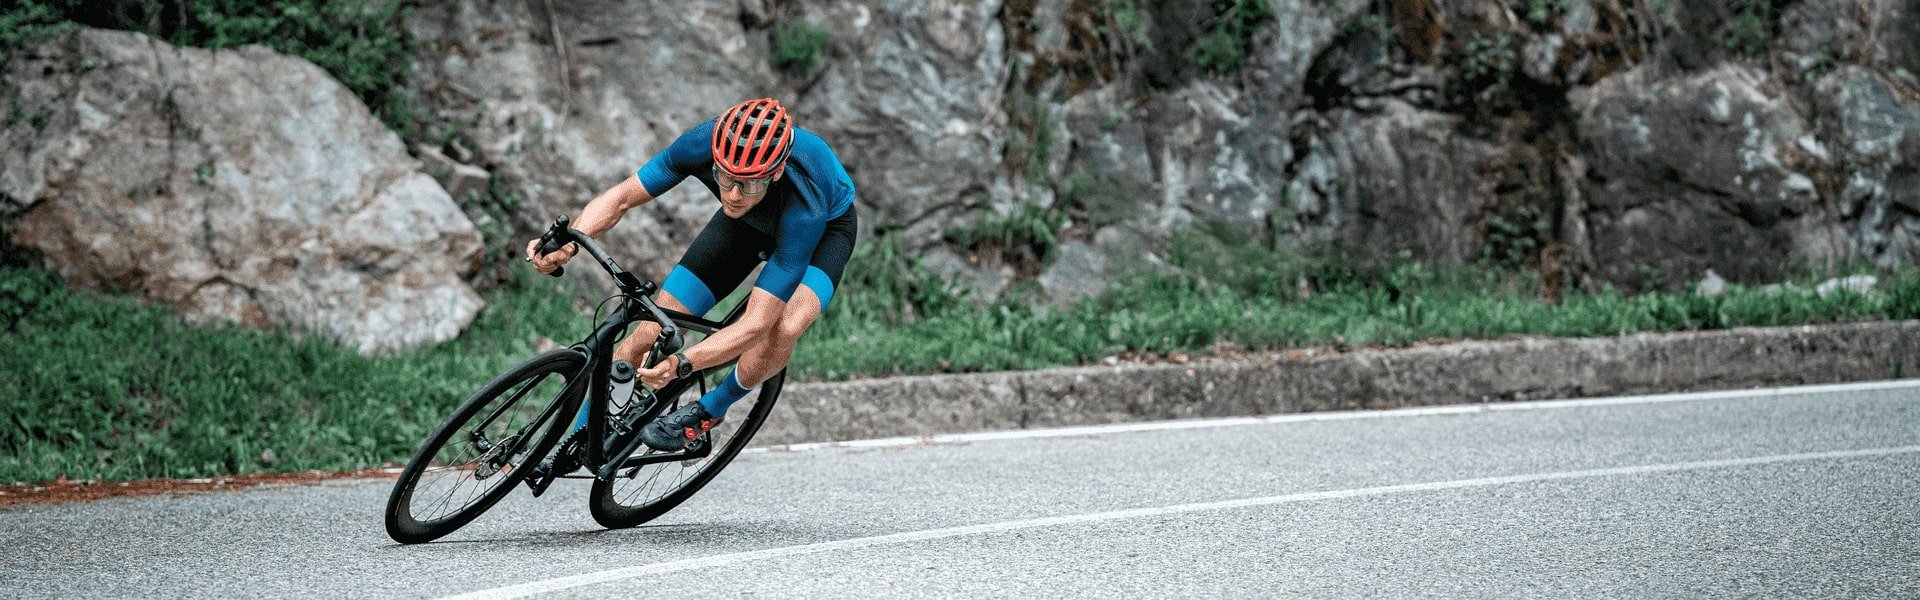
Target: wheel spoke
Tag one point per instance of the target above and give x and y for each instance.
(512, 401)
(649, 484)
(470, 463)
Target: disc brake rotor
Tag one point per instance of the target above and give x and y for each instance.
(493, 458)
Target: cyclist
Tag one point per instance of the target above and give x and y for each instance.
(781, 190)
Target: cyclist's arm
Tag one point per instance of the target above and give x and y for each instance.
(755, 327)
(598, 216)
(606, 209)
(685, 157)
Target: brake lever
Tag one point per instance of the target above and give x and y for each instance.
(550, 245)
(664, 346)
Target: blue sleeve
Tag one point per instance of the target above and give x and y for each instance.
(687, 156)
(800, 232)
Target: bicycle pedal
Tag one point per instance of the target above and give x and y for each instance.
(542, 475)
(539, 480)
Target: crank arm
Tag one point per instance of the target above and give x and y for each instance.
(635, 462)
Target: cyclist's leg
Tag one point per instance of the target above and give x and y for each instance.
(810, 301)
(757, 364)
(721, 257)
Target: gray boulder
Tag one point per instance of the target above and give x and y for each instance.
(1397, 181)
(238, 185)
(1875, 142)
(1700, 171)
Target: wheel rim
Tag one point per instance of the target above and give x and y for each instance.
(482, 455)
(650, 484)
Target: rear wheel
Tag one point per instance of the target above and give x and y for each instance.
(639, 495)
(480, 452)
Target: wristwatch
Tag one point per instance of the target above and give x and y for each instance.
(683, 368)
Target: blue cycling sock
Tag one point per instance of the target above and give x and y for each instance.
(724, 395)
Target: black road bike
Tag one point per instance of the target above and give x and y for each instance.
(500, 435)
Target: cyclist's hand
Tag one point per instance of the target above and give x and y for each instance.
(545, 264)
(659, 375)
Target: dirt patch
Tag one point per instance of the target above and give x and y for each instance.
(67, 490)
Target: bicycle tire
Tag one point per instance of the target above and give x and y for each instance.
(523, 380)
(613, 507)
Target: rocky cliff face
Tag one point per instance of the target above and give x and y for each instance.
(1794, 154)
(1604, 140)
(235, 185)
(1631, 142)
(910, 99)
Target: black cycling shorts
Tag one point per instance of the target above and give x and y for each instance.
(728, 249)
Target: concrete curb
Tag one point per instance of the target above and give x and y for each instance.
(1304, 381)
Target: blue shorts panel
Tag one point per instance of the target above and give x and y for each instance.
(689, 290)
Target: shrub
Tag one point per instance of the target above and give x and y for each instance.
(363, 43)
(1026, 236)
(1490, 62)
(1751, 29)
(1542, 12)
(797, 45)
(1225, 45)
(1098, 198)
(1132, 21)
(1903, 294)
(30, 23)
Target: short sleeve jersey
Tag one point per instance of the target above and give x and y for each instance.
(814, 190)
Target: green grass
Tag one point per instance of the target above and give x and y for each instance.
(1224, 286)
(1167, 314)
(1750, 31)
(1026, 236)
(102, 387)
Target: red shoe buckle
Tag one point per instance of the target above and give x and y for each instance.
(704, 427)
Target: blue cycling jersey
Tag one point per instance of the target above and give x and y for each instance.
(814, 190)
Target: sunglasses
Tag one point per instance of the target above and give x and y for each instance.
(750, 187)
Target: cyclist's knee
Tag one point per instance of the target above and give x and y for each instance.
(799, 315)
(788, 331)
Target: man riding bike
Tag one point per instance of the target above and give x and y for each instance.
(781, 190)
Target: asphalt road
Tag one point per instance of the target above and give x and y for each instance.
(1786, 493)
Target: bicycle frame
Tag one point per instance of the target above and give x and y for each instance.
(636, 305)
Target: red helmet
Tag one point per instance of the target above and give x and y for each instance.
(753, 138)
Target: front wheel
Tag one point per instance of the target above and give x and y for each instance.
(629, 499)
(480, 452)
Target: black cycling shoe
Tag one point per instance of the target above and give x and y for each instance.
(672, 432)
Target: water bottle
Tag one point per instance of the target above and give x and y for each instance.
(617, 398)
(623, 382)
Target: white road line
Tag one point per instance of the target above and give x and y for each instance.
(710, 562)
(1345, 415)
